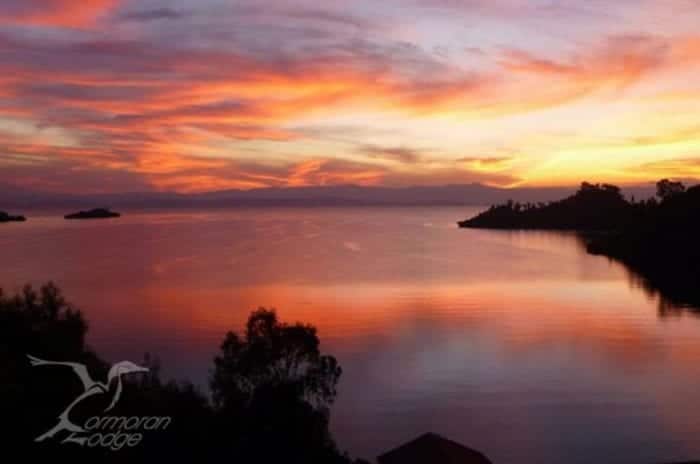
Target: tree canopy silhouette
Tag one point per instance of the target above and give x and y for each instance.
(274, 382)
(666, 189)
(271, 355)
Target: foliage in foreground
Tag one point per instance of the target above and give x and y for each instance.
(272, 390)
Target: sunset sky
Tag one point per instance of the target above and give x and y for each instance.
(201, 95)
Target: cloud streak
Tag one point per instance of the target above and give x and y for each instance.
(61, 13)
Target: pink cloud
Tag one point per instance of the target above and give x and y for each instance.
(54, 12)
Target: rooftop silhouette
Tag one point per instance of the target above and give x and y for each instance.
(431, 448)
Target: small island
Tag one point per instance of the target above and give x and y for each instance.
(4, 217)
(99, 213)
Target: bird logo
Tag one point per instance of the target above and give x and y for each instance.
(91, 388)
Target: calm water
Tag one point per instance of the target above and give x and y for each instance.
(518, 344)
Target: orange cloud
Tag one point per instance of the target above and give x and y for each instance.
(495, 163)
(330, 172)
(397, 154)
(681, 168)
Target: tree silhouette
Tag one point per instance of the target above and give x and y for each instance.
(273, 386)
(666, 189)
(274, 354)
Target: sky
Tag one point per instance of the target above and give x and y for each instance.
(102, 96)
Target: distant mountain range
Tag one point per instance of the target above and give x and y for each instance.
(330, 196)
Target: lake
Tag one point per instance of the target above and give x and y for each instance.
(518, 344)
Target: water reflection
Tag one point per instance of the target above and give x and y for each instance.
(519, 344)
(676, 293)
